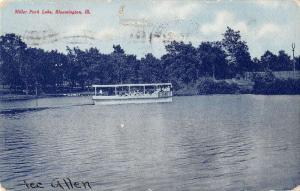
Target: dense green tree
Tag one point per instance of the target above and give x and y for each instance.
(151, 69)
(283, 62)
(101, 70)
(12, 50)
(53, 69)
(118, 60)
(105, 70)
(268, 59)
(131, 69)
(73, 66)
(181, 62)
(238, 55)
(32, 70)
(280, 62)
(212, 60)
(297, 63)
(257, 65)
(60, 66)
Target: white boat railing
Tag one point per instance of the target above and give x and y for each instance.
(158, 90)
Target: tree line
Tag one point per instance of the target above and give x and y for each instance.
(26, 68)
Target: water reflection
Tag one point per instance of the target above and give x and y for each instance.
(234, 142)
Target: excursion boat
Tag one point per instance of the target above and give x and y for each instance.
(132, 93)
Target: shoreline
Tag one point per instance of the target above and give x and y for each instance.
(18, 97)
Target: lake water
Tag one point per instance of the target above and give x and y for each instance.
(220, 142)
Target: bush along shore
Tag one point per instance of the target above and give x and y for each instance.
(218, 67)
(263, 86)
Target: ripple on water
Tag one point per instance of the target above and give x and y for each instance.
(230, 142)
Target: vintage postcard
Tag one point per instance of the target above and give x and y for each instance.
(149, 95)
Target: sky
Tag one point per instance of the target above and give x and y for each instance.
(146, 26)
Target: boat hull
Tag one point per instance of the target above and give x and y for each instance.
(112, 100)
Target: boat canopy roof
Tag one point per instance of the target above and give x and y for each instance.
(130, 85)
